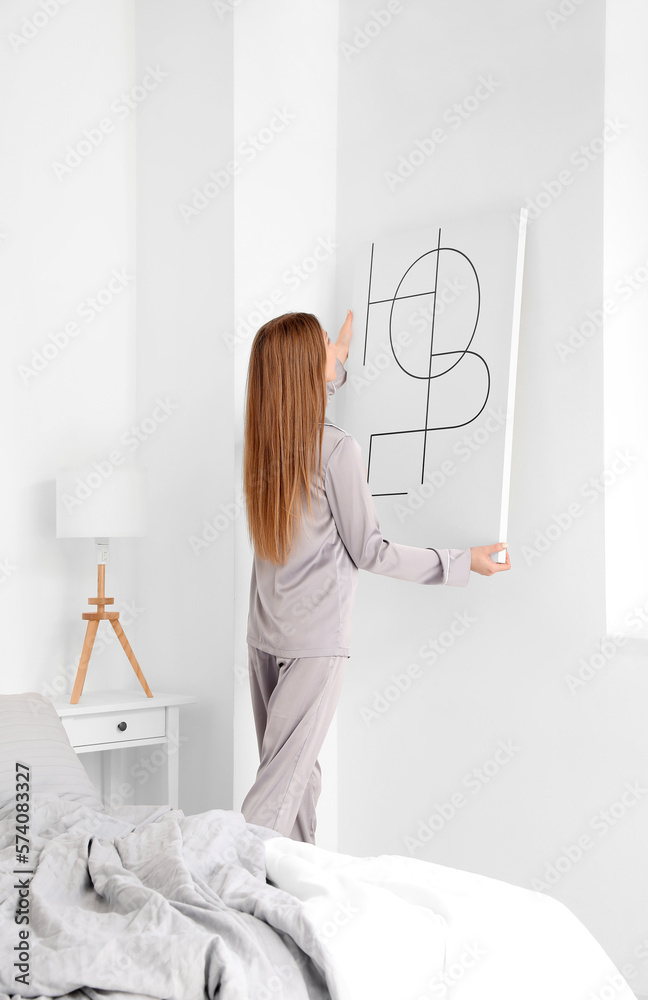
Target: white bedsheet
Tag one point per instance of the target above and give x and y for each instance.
(397, 928)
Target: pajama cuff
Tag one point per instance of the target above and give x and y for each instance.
(335, 383)
(458, 567)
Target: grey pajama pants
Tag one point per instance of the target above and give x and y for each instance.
(294, 701)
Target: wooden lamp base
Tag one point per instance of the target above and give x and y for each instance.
(93, 618)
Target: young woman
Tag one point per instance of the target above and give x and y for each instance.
(313, 525)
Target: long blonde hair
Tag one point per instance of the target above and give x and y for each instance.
(284, 425)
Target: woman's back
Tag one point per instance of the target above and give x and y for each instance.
(304, 607)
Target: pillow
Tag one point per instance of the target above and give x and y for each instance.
(31, 733)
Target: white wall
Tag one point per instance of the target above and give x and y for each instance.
(626, 403)
(185, 303)
(68, 371)
(506, 678)
(161, 338)
(626, 307)
(285, 58)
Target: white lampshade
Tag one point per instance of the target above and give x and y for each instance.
(100, 500)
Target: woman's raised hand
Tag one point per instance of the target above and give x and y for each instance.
(481, 562)
(344, 338)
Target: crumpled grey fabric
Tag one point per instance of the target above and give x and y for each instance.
(145, 901)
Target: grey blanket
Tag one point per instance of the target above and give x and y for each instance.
(148, 902)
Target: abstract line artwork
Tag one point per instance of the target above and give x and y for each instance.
(432, 372)
(431, 262)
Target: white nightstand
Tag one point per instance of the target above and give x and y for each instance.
(108, 720)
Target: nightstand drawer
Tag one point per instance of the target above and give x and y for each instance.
(85, 730)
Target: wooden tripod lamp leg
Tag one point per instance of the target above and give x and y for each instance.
(93, 619)
(121, 635)
(88, 643)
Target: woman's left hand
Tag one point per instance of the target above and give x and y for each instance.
(481, 562)
(344, 338)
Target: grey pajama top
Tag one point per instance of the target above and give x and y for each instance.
(304, 607)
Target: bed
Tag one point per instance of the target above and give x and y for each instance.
(143, 901)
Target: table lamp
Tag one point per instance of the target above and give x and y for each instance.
(101, 501)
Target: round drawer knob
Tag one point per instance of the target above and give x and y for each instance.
(122, 726)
